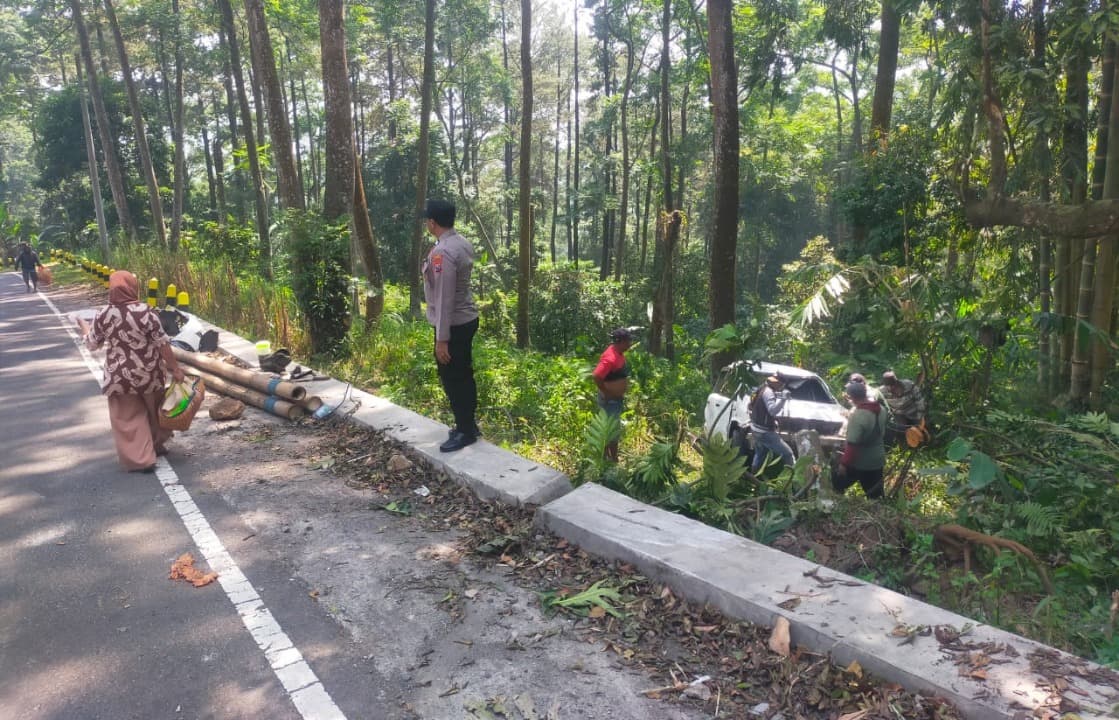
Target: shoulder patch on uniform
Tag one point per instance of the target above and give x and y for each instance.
(437, 262)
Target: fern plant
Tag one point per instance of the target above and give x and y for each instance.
(602, 430)
(655, 473)
(1041, 520)
(723, 467)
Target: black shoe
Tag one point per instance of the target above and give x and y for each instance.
(457, 441)
(477, 432)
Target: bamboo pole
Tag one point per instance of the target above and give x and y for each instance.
(270, 403)
(265, 384)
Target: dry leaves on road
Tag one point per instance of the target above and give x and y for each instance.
(183, 569)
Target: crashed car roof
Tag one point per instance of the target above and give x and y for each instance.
(768, 368)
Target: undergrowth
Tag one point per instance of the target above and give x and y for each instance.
(1050, 484)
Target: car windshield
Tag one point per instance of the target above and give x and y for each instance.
(809, 389)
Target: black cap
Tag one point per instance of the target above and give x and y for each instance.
(441, 211)
(856, 390)
(621, 334)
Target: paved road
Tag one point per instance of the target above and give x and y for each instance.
(90, 626)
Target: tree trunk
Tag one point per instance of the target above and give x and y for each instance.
(506, 103)
(177, 130)
(1074, 171)
(556, 158)
(668, 227)
(250, 139)
(883, 104)
(287, 180)
(524, 276)
(1044, 253)
(620, 253)
(338, 193)
(415, 291)
(91, 159)
(231, 118)
(295, 127)
(138, 126)
(211, 185)
(367, 246)
(219, 169)
(575, 197)
(724, 104)
(108, 143)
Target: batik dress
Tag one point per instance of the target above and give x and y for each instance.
(133, 381)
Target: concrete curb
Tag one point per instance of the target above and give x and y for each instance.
(845, 617)
(491, 472)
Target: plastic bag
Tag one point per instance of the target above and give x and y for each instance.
(177, 399)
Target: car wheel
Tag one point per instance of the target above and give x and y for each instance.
(739, 440)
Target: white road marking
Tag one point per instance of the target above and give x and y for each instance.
(298, 679)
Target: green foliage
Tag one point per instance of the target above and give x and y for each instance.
(602, 430)
(571, 310)
(230, 242)
(582, 603)
(320, 282)
(723, 467)
(654, 473)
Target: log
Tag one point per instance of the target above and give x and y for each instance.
(262, 383)
(270, 403)
(963, 538)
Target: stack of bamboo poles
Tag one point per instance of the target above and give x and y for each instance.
(282, 398)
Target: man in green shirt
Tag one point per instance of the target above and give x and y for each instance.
(864, 453)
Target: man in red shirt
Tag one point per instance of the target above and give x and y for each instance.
(612, 378)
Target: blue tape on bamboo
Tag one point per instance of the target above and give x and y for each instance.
(273, 384)
(270, 403)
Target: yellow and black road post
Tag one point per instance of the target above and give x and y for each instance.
(153, 292)
(172, 296)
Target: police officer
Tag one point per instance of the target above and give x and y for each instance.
(451, 311)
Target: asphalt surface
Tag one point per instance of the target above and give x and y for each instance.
(90, 625)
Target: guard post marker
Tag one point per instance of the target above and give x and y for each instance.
(172, 295)
(153, 292)
(184, 301)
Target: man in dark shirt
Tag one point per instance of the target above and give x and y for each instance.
(27, 261)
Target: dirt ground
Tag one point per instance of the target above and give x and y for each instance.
(448, 595)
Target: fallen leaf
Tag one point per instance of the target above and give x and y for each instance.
(597, 612)
(855, 668)
(789, 604)
(979, 674)
(779, 639)
(471, 593)
(183, 569)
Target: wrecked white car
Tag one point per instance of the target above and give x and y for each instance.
(811, 405)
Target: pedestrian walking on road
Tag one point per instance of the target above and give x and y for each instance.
(28, 262)
(451, 312)
(611, 376)
(138, 358)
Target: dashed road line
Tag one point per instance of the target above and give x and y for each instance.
(296, 676)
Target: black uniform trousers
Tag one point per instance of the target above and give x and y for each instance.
(457, 376)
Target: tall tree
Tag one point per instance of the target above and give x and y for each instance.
(108, 143)
(524, 275)
(259, 201)
(177, 133)
(91, 159)
(142, 148)
(883, 103)
(264, 60)
(668, 227)
(415, 291)
(724, 231)
(338, 192)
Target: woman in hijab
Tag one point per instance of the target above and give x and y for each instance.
(137, 357)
